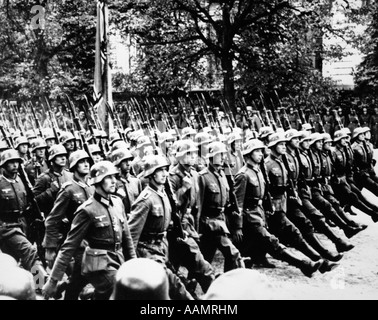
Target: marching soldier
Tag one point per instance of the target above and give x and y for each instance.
(213, 199)
(128, 186)
(101, 221)
(295, 205)
(183, 180)
(339, 182)
(150, 219)
(21, 144)
(252, 198)
(49, 182)
(235, 159)
(328, 121)
(306, 179)
(68, 140)
(374, 127)
(14, 204)
(71, 195)
(370, 154)
(37, 164)
(318, 196)
(362, 162)
(278, 223)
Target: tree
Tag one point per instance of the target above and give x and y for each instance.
(47, 48)
(366, 75)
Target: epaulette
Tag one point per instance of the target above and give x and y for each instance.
(66, 184)
(203, 171)
(146, 195)
(85, 204)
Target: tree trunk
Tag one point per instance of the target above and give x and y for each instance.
(228, 81)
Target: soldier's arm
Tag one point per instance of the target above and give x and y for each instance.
(240, 189)
(54, 221)
(127, 240)
(137, 220)
(201, 197)
(79, 229)
(178, 190)
(44, 193)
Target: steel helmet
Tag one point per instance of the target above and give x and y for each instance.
(38, 143)
(30, 134)
(234, 136)
(56, 150)
(292, 133)
(153, 163)
(265, 131)
(305, 135)
(184, 147)
(306, 126)
(339, 134)
(94, 148)
(114, 136)
(327, 137)
(102, 169)
(119, 145)
(316, 136)
(166, 136)
(202, 138)
(358, 131)
(48, 134)
(121, 154)
(215, 148)
(276, 138)
(20, 140)
(252, 145)
(76, 156)
(8, 155)
(143, 141)
(346, 130)
(66, 136)
(3, 145)
(187, 131)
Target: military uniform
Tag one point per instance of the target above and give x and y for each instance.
(13, 240)
(214, 196)
(189, 254)
(374, 129)
(149, 221)
(362, 165)
(70, 197)
(342, 188)
(35, 168)
(329, 123)
(44, 193)
(102, 223)
(128, 188)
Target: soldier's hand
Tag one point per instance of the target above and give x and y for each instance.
(49, 289)
(237, 236)
(187, 182)
(50, 256)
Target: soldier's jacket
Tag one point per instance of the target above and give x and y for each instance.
(128, 188)
(187, 200)
(13, 202)
(361, 160)
(250, 191)
(350, 167)
(326, 171)
(213, 198)
(150, 215)
(102, 223)
(339, 160)
(293, 119)
(305, 174)
(235, 163)
(293, 165)
(35, 168)
(71, 195)
(365, 120)
(278, 178)
(43, 192)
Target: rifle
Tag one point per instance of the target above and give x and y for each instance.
(53, 122)
(37, 123)
(34, 215)
(337, 117)
(177, 230)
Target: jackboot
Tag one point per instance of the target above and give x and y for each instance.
(314, 241)
(327, 266)
(307, 250)
(307, 267)
(341, 245)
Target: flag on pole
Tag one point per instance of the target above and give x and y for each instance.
(102, 89)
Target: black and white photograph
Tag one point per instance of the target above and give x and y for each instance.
(191, 150)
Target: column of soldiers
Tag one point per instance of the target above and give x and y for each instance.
(179, 196)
